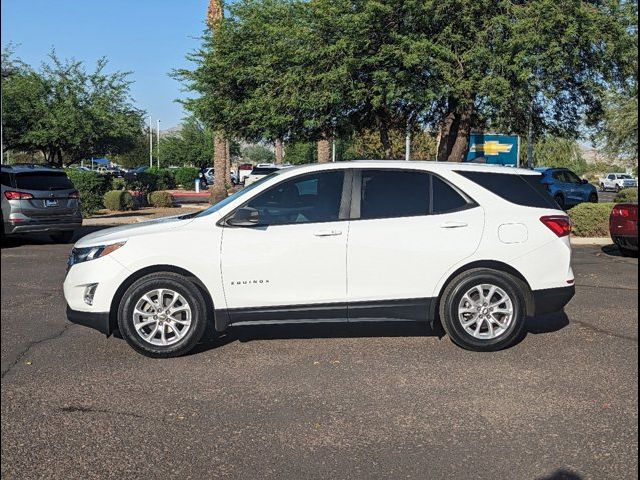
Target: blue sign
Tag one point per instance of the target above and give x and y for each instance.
(494, 149)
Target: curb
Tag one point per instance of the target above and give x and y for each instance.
(591, 241)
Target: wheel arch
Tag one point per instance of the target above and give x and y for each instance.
(117, 297)
(492, 265)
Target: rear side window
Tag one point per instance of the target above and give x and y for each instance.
(525, 190)
(445, 198)
(394, 193)
(6, 179)
(43, 181)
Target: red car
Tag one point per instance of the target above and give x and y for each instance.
(623, 225)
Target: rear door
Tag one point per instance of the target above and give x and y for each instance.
(408, 228)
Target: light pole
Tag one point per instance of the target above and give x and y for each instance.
(150, 143)
(158, 144)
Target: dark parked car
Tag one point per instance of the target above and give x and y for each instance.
(623, 226)
(131, 175)
(567, 188)
(37, 199)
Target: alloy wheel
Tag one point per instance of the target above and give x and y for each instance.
(485, 311)
(162, 317)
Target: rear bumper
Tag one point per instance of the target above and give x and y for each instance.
(11, 228)
(96, 320)
(552, 299)
(626, 241)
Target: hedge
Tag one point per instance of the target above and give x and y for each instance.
(165, 179)
(161, 199)
(591, 219)
(92, 186)
(186, 177)
(628, 195)
(119, 200)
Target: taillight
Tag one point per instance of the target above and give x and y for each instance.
(74, 194)
(560, 225)
(630, 212)
(17, 195)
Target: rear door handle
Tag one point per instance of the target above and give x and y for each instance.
(328, 233)
(454, 225)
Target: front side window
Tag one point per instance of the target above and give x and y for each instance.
(394, 193)
(572, 177)
(309, 198)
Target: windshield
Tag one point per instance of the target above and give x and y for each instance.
(231, 198)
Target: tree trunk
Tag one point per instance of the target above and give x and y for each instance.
(460, 148)
(218, 189)
(448, 133)
(383, 128)
(324, 150)
(279, 151)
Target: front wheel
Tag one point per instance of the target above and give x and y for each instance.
(162, 315)
(593, 198)
(603, 188)
(484, 310)
(618, 188)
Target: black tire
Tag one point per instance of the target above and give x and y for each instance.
(618, 188)
(62, 237)
(560, 201)
(163, 280)
(593, 198)
(626, 252)
(452, 296)
(603, 188)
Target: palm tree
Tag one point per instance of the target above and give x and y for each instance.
(215, 15)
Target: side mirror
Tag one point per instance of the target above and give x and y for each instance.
(584, 181)
(244, 217)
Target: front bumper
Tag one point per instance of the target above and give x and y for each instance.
(97, 320)
(552, 300)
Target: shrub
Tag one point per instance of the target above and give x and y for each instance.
(628, 195)
(118, 184)
(165, 179)
(92, 186)
(186, 176)
(119, 200)
(161, 199)
(145, 182)
(591, 219)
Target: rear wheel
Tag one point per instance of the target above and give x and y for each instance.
(162, 315)
(484, 310)
(62, 237)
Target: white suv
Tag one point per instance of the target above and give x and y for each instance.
(479, 247)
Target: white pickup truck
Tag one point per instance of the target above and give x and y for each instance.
(617, 181)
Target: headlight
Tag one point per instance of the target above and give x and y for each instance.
(79, 255)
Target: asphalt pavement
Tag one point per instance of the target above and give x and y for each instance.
(334, 401)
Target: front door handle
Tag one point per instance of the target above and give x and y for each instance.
(328, 233)
(454, 225)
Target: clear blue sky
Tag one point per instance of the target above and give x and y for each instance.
(147, 37)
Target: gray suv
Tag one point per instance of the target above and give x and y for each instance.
(37, 199)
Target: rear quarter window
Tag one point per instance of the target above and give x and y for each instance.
(524, 190)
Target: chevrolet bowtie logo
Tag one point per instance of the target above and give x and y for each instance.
(491, 148)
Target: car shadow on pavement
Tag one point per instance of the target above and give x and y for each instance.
(613, 251)
(283, 331)
(562, 474)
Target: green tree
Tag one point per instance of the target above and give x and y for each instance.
(620, 126)
(258, 154)
(191, 146)
(67, 113)
(552, 151)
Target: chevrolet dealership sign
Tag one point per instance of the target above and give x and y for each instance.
(494, 149)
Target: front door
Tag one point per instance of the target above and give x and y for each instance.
(291, 266)
(412, 228)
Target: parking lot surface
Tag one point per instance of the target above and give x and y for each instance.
(327, 401)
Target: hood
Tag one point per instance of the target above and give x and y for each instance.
(124, 232)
